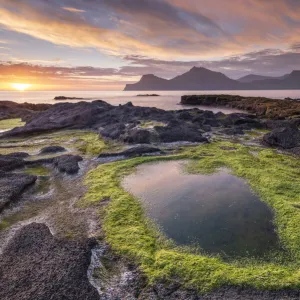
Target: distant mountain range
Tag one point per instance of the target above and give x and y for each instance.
(204, 79)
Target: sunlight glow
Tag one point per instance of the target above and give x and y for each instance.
(20, 86)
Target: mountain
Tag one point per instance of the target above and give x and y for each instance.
(204, 79)
(194, 79)
(287, 82)
(253, 77)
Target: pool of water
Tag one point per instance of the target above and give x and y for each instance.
(218, 212)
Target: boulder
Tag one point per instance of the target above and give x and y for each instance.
(52, 149)
(67, 163)
(232, 131)
(285, 138)
(20, 155)
(36, 265)
(12, 186)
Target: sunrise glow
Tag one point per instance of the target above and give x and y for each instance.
(20, 86)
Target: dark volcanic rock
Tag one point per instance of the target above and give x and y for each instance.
(18, 155)
(67, 163)
(25, 111)
(52, 149)
(133, 152)
(283, 137)
(66, 98)
(232, 131)
(12, 185)
(182, 133)
(138, 136)
(10, 162)
(36, 265)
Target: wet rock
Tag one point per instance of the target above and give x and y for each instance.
(133, 152)
(113, 131)
(20, 155)
(169, 134)
(67, 163)
(273, 124)
(36, 265)
(12, 185)
(212, 122)
(10, 162)
(138, 136)
(285, 138)
(185, 115)
(52, 149)
(232, 131)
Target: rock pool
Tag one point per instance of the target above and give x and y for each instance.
(218, 212)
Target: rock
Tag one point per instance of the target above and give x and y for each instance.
(133, 152)
(36, 265)
(232, 131)
(275, 109)
(169, 134)
(113, 131)
(285, 138)
(52, 149)
(9, 162)
(20, 155)
(185, 115)
(147, 95)
(212, 122)
(138, 136)
(67, 163)
(67, 98)
(12, 185)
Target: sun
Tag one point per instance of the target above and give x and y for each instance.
(20, 86)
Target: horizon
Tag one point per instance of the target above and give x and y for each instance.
(77, 45)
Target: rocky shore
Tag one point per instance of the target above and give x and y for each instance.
(45, 259)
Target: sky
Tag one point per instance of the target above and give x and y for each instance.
(104, 44)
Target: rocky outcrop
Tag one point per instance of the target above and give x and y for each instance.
(12, 185)
(10, 162)
(52, 149)
(133, 152)
(285, 138)
(25, 111)
(67, 163)
(36, 265)
(66, 98)
(262, 107)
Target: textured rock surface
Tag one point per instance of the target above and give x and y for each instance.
(12, 185)
(67, 163)
(52, 149)
(35, 265)
(286, 138)
(133, 152)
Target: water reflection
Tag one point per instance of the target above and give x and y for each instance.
(219, 212)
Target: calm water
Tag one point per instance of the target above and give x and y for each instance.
(167, 100)
(219, 212)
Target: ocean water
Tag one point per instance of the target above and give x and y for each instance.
(168, 100)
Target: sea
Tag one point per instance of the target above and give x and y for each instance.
(167, 100)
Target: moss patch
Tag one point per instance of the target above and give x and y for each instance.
(84, 142)
(10, 124)
(273, 176)
(151, 124)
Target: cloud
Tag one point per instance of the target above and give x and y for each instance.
(74, 10)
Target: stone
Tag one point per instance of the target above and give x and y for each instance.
(36, 265)
(67, 163)
(285, 138)
(12, 186)
(52, 149)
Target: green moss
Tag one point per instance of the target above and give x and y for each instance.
(3, 225)
(84, 142)
(38, 171)
(151, 124)
(275, 177)
(10, 124)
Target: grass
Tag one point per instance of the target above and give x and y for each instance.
(275, 177)
(38, 171)
(10, 124)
